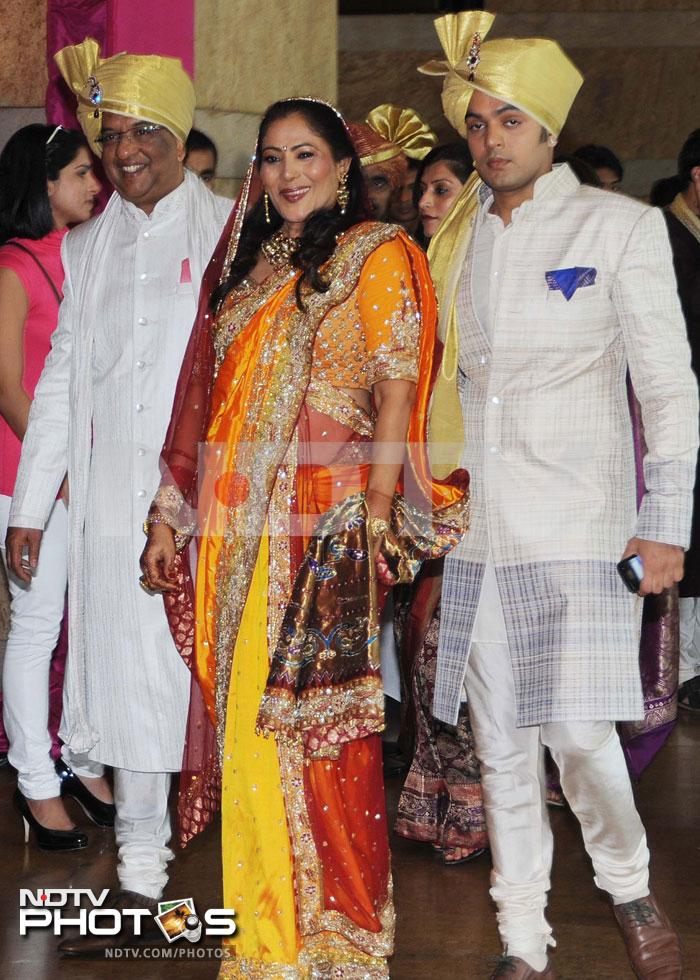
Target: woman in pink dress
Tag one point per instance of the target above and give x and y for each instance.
(46, 184)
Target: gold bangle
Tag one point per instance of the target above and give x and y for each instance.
(154, 519)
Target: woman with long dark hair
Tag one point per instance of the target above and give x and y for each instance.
(46, 184)
(307, 374)
(439, 180)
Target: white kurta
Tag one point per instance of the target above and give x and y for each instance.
(135, 685)
(549, 446)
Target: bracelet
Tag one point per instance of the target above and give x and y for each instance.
(155, 518)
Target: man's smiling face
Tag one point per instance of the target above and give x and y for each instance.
(143, 167)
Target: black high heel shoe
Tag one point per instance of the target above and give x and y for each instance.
(101, 814)
(47, 839)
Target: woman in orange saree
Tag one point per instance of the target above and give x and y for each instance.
(306, 376)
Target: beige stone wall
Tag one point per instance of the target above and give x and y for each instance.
(640, 58)
(23, 74)
(251, 53)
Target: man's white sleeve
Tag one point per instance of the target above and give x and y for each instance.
(658, 355)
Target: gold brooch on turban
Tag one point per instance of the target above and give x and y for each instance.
(403, 128)
(533, 74)
(148, 87)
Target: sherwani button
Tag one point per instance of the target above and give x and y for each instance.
(496, 400)
(143, 321)
(140, 452)
(141, 493)
(140, 364)
(143, 276)
(139, 407)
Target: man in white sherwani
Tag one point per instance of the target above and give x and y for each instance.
(101, 410)
(550, 292)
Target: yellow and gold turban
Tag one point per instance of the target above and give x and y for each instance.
(149, 87)
(404, 128)
(370, 147)
(531, 73)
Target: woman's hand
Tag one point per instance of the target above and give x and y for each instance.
(394, 400)
(158, 560)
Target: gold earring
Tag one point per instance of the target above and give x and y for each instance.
(343, 192)
(267, 208)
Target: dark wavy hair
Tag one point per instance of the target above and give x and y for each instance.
(318, 240)
(455, 156)
(26, 163)
(600, 156)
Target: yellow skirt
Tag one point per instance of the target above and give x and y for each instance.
(256, 851)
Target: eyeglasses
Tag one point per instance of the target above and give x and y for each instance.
(140, 135)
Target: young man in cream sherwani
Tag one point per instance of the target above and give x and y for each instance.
(101, 411)
(550, 292)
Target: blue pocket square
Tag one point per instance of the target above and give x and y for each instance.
(568, 281)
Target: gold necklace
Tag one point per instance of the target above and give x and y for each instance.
(279, 249)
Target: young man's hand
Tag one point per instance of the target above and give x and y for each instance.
(663, 564)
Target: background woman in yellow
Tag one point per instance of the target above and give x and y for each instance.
(316, 347)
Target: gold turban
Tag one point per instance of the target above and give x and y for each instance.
(370, 146)
(147, 87)
(404, 128)
(533, 74)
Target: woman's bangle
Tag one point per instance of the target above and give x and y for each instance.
(155, 518)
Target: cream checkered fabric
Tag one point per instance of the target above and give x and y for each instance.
(548, 444)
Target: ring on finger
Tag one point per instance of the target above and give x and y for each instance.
(146, 585)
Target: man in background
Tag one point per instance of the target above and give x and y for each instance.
(201, 155)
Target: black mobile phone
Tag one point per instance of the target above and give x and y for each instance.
(631, 571)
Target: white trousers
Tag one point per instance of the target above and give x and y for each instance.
(690, 639)
(142, 830)
(594, 778)
(36, 611)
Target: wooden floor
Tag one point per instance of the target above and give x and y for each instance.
(446, 925)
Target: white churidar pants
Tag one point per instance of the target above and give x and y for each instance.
(142, 830)
(690, 639)
(594, 778)
(36, 612)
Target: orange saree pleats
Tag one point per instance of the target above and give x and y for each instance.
(344, 796)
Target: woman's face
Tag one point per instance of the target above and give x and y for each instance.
(72, 195)
(298, 171)
(438, 189)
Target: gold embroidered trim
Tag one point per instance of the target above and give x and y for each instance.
(279, 528)
(286, 714)
(328, 957)
(267, 430)
(239, 307)
(176, 513)
(339, 406)
(313, 918)
(392, 366)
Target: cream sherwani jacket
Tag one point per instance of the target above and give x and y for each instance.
(548, 444)
(100, 411)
